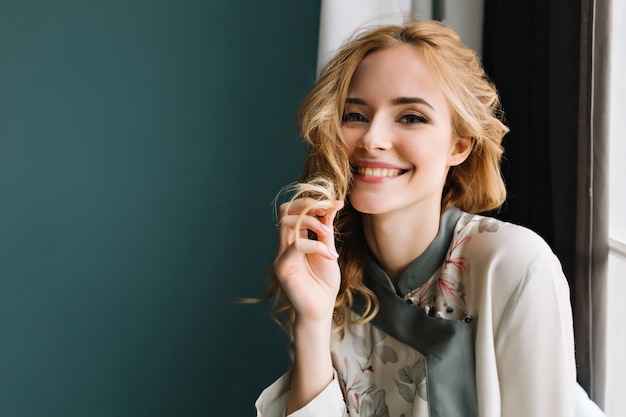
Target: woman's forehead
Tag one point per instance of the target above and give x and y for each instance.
(399, 71)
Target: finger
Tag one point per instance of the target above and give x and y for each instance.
(298, 225)
(286, 263)
(286, 234)
(305, 205)
(296, 219)
(328, 220)
(291, 262)
(303, 223)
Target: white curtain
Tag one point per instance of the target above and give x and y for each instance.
(339, 19)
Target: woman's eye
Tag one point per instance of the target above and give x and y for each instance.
(413, 118)
(353, 117)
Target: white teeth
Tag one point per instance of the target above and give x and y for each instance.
(379, 172)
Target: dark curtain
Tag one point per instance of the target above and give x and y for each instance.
(539, 54)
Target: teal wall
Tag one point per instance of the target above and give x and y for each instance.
(141, 144)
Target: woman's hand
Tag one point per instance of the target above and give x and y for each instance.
(307, 269)
(308, 272)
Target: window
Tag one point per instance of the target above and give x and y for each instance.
(615, 401)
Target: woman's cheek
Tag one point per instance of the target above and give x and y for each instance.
(350, 141)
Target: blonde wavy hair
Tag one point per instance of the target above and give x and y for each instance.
(474, 186)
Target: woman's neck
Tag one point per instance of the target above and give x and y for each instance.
(397, 239)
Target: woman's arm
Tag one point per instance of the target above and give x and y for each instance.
(534, 345)
(273, 401)
(312, 369)
(308, 272)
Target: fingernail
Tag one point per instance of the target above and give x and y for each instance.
(333, 253)
(326, 228)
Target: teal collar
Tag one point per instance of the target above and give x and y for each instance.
(425, 266)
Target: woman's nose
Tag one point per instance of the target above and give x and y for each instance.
(377, 136)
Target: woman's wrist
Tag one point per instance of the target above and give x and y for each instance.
(318, 323)
(312, 368)
(311, 338)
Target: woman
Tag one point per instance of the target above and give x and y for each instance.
(399, 299)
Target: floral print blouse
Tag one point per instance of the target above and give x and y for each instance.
(478, 325)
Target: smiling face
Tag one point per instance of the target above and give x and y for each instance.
(398, 130)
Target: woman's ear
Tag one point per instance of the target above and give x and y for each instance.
(461, 148)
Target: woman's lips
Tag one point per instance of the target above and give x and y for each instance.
(376, 173)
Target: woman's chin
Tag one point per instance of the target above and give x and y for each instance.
(367, 206)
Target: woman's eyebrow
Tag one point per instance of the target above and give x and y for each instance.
(411, 100)
(395, 101)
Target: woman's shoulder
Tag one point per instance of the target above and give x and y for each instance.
(493, 240)
(501, 259)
